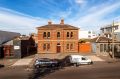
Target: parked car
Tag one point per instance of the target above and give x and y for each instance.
(77, 60)
(45, 62)
(1, 65)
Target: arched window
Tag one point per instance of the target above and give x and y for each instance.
(67, 34)
(58, 34)
(58, 44)
(71, 35)
(71, 46)
(44, 34)
(48, 46)
(48, 34)
(67, 46)
(44, 46)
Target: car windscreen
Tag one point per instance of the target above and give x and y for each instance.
(44, 60)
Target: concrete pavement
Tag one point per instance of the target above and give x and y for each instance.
(95, 58)
(23, 62)
(27, 61)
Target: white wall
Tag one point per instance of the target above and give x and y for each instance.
(83, 34)
(86, 35)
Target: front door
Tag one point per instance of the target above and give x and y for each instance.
(58, 48)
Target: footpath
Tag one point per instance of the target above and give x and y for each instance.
(28, 61)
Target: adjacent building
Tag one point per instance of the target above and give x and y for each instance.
(106, 31)
(57, 38)
(104, 46)
(13, 45)
(87, 34)
(5, 42)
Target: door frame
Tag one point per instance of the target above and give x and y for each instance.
(58, 48)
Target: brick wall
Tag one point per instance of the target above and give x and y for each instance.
(53, 41)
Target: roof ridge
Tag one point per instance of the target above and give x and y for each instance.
(66, 26)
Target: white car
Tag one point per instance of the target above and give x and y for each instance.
(79, 59)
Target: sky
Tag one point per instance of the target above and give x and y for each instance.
(24, 16)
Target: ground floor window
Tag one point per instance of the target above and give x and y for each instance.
(101, 47)
(69, 46)
(46, 46)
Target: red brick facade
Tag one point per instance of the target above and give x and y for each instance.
(57, 38)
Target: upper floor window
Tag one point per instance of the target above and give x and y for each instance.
(67, 34)
(89, 32)
(71, 34)
(58, 34)
(89, 36)
(46, 34)
(116, 27)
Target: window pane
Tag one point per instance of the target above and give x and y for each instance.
(44, 46)
(58, 34)
(67, 46)
(89, 32)
(67, 34)
(48, 34)
(71, 34)
(104, 47)
(44, 34)
(83, 58)
(101, 47)
(48, 46)
(71, 46)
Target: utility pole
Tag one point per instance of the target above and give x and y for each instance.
(113, 40)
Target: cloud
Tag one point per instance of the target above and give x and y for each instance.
(91, 18)
(62, 14)
(94, 16)
(80, 1)
(18, 22)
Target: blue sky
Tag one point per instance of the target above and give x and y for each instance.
(25, 15)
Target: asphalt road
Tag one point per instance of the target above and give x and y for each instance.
(99, 70)
(14, 72)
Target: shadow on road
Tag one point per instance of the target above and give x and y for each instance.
(39, 73)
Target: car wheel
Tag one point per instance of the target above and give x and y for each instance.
(90, 63)
(76, 64)
(37, 66)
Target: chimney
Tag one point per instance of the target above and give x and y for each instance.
(49, 22)
(62, 21)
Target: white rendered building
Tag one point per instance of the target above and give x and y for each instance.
(87, 34)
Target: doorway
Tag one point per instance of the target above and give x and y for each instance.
(58, 48)
(1, 52)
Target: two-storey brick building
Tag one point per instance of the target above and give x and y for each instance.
(57, 38)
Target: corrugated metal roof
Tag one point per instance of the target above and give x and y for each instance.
(6, 36)
(100, 39)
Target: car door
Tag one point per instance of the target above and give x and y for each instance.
(84, 60)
